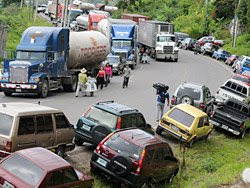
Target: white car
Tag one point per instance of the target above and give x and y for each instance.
(41, 8)
(239, 62)
(232, 89)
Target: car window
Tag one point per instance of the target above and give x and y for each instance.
(159, 155)
(61, 121)
(119, 144)
(133, 120)
(167, 152)
(149, 156)
(187, 91)
(6, 122)
(201, 122)
(44, 124)
(126, 122)
(181, 117)
(56, 178)
(233, 86)
(207, 94)
(140, 121)
(70, 175)
(24, 169)
(26, 125)
(228, 84)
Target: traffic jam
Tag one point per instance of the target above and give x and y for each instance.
(34, 139)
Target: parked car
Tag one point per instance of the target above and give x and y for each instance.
(38, 167)
(206, 39)
(245, 65)
(232, 89)
(103, 118)
(230, 61)
(188, 44)
(26, 125)
(237, 66)
(180, 37)
(116, 63)
(244, 77)
(135, 158)
(209, 49)
(186, 123)
(194, 94)
(41, 8)
(232, 116)
(221, 55)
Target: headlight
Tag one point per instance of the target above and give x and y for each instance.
(37, 79)
(4, 77)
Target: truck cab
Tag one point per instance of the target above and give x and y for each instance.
(95, 17)
(39, 62)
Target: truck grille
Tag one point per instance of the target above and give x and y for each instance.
(123, 55)
(168, 49)
(19, 74)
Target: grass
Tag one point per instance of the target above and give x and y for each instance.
(218, 161)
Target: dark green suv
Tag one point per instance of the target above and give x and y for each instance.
(105, 117)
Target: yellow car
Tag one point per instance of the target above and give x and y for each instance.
(185, 123)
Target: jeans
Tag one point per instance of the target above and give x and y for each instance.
(160, 109)
(107, 79)
(125, 81)
(80, 86)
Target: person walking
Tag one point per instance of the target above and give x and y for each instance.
(100, 78)
(126, 75)
(108, 73)
(82, 80)
(161, 99)
(196, 47)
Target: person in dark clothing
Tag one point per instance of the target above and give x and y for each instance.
(100, 78)
(161, 99)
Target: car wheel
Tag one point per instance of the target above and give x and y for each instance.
(191, 142)
(204, 52)
(78, 141)
(158, 130)
(242, 134)
(99, 132)
(187, 100)
(217, 58)
(170, 179)
(121, 165)
(60, 151)
(208, 134)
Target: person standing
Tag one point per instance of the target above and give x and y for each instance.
(161, 99)
(100, 78)
(82, 80)
(126, 75)
(108, 73)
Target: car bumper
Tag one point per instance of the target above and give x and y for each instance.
(4, 154)
(225, 127)
(85, 137)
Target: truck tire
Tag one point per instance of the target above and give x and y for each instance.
(71, 87)
(7, 93)
(176, 59)
(44, 90)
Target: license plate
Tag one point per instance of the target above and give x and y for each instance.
(86, 127)
(224, 127)
(175, 128)
(7, 185)
(18, 90)
(102, 162)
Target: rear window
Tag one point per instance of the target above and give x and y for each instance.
(194, 93)
(101, 117)
(182, 117)
(120, 145)
(23, 169)
(6, 122)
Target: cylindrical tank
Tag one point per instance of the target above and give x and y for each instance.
(104, 27)
(87, 49)
(87, 6)
(83, 20)
(110, 9)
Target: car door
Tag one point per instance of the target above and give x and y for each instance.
(25, 136)
(207, 98)
(200, 132)
(44, 131)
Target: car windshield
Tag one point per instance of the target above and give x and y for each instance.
(30, 55)
(182, 117)
(6, 122)
(113, 60)
(226, 53)
(122, 146)
(165, 39)
(187, 91)
(121, 43)
(247, 63)
(101, 117)
(23, 169)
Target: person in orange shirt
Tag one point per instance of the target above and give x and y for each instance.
(100, 78)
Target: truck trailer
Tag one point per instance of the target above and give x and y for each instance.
(135, 17)
(158, 37)
(49, 58)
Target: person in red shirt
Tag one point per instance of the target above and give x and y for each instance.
(100, 78)
(108, 73)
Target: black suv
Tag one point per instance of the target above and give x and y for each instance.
(135, 158)
(105, 117)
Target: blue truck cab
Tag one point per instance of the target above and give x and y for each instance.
(123, 42)
(40, 62)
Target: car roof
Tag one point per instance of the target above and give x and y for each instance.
(195, 112)
(43, 158)
(23, 108)
(139, 137)
(192, 85)
(115, 108)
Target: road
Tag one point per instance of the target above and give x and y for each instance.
(140, 93)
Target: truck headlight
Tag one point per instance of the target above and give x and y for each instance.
(36, 79)
(4, 78)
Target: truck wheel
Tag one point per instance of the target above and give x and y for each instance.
(71, 87)
(78, 141)
(45, 89)
(7, 93)
(176, 59)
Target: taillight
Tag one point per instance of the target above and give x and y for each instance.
(8, 146)
(99, 146)
(86, 111)
(138, 170)
(1, 181)
(119, 123)
(242, 126)
(173, 100)
(202, 105)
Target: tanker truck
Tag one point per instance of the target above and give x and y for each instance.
(49, 58)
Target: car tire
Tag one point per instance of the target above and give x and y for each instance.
(208, 134)
(204, 52)
(176, 59)
(91, 93)
(242, 133)
(99, 132)
(60, 151)
(187, 100)
(191, 142)
(170, 179)
(121, 165)
(44, 90)
(78, 141)
(158, 130)
(7, 93)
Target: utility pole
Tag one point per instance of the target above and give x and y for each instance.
(70, 5)
(36, 10)
(236, 25)
(57, 12)
(21, 6)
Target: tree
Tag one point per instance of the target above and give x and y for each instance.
(8, 2)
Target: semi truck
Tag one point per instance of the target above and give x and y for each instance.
(158, 37)
(49, 58)
(124, 40)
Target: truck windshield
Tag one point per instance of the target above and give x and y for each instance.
(121, 43)
(30, 55)
(74, 15)
(166, 39)
(113, 60)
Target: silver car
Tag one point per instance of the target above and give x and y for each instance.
(194, 94)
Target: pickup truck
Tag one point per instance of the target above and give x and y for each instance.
(232, 116)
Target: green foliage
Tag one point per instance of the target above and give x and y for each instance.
(9, 2)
